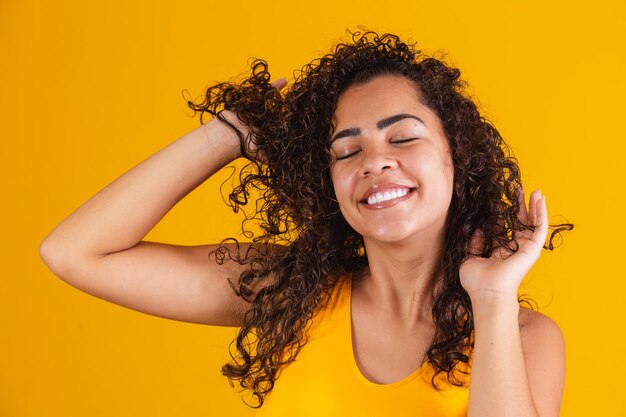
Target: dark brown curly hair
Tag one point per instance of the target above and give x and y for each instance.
(306, 244)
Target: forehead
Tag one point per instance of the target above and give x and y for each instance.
(362, 105)
(381, 96)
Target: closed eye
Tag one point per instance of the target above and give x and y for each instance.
(346, 156)
(404, 140)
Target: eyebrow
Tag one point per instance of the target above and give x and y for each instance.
(381, 124)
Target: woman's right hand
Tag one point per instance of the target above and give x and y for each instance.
(247, 149)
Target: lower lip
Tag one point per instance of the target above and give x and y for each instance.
(388, 203)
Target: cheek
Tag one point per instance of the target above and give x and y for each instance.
(341, 185)
(446, 175)
(448, 172)
(434, 166)
(435, 175)
(426, 167)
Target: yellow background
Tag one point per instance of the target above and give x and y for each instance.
(89, 89)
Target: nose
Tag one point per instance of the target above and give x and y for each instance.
(376, 161)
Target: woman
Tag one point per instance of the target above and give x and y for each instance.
(385, 196)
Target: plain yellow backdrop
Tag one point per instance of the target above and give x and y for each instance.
(89, 89)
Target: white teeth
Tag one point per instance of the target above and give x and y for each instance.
(387, 195)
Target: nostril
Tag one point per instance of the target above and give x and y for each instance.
(375, 163)
(381, 169)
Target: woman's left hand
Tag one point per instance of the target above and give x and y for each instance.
(502, 273)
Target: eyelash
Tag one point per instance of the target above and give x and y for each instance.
(354, 153)
(337, 158)
(404, 140)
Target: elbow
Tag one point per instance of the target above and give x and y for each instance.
(53, 256)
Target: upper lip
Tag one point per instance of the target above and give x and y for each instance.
(377, 188)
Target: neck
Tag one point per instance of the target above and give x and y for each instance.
(401, 279)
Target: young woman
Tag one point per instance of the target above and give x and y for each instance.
(394, 237)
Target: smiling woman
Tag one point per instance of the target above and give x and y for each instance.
(400, 148)
(395, 235)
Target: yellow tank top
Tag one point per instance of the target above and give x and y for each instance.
(325, 380)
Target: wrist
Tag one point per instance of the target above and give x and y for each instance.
(486, 304)
(222, 140)
(237, 131)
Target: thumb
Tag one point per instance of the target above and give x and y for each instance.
(279, 83)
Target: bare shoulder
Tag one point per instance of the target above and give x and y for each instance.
(536, 327)
(544, 354)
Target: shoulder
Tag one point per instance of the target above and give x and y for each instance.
(544, 355)
(543, 344)
(536, 328)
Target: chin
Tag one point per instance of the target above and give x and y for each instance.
(395, 234)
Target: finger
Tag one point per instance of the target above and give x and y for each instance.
(532, 207)
(528, 216)
(522, 213)
(279, 83)
(541, 222)
(531, 216)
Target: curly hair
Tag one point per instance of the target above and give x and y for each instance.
(305, 243)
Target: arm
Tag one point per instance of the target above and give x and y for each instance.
(98, 247)
(518, 360)
(516, 370)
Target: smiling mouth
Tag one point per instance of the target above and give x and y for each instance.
(387, 195)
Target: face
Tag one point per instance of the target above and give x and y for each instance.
(393, 172)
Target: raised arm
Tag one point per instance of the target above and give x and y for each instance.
(98, 248)
(518, 363)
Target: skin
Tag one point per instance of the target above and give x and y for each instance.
(518, 359)
(399, 243)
